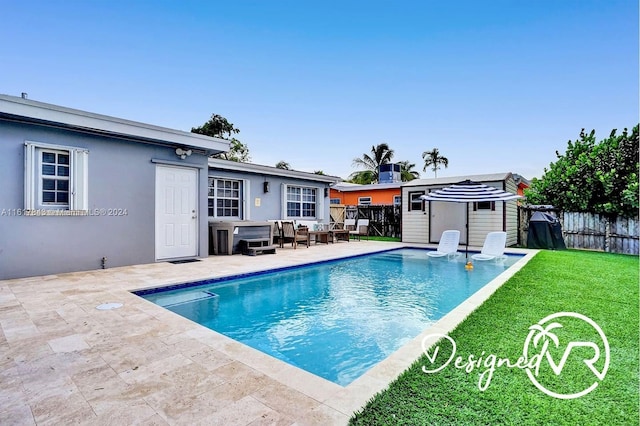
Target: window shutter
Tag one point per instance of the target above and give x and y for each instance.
(246, 200)
(283, 199)
(79, 179)
(319, 203)
(29, 176)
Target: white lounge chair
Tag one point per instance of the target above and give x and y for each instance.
(448, 245)
(493, 247)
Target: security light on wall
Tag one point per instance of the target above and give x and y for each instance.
(265, 186)
(183, 153)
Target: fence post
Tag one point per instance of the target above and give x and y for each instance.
(607, 235)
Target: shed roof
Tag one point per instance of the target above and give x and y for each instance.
(269, 170)
(23, 110)
(492, 177)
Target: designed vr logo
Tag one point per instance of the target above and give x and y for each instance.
(543, 339)
(549, 347)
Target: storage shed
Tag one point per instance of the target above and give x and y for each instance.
(424, 222)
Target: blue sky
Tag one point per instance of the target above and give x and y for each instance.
(496, 86)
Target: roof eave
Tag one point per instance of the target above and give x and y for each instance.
(28, 111)
(271, 171)
(371, 187)
(491, 177)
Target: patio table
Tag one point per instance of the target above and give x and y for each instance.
(318, 236)
(339, 234)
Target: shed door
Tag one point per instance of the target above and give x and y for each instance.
(176, 212)
(444, 216)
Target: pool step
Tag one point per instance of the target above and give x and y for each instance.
(254, 246)
(179, 299)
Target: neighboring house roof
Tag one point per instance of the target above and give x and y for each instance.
(521, 181)
(23, 110)
(493, 177)
(352, 187)
(268, 170)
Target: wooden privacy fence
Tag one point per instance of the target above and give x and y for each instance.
(596, 232)
(589, 231)
(384, 220)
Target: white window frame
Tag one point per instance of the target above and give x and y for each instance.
(397, 200)
(414, 201)
(364, 201)
(78, 177)
(319, 202)
(242, 185)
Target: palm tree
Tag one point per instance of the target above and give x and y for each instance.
(546, 333)
(381, 154)
(406, 172)
(362, 177)
(433, 159)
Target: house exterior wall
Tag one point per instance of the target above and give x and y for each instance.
(511, 210)
(260, 206)
(415, 224)
(121, 175)
(504, 218)
(378, 196)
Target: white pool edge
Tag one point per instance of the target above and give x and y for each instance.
(350, 398)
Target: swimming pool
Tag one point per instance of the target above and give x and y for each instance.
(335, 319)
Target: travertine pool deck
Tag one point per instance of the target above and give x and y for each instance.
(65, 362)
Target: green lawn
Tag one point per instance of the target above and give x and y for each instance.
(377, 238)
(601, 286)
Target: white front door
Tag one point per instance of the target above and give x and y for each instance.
(176, 212)
(447, 215)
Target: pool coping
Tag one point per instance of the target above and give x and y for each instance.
(350, 398)
(52, 320)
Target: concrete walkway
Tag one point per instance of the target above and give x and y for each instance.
(65, 362)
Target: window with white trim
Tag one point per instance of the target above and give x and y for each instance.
(364, 201)
(301, 202)
(56, 177)
(225, 198)
(335, 201)
(415, 203)
(484, 205)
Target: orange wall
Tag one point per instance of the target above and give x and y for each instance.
(378, 196)
(521, 188)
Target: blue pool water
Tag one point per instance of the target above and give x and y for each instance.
(334, 319)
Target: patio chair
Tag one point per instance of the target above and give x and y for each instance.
(350, 225)
(294, 236)
(448, 245)
(362, 228)
(277, 232)
(493, 248)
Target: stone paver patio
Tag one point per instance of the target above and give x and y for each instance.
(65, 362)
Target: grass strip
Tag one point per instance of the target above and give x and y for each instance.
(601, 286)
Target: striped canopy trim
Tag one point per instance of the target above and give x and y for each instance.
(469, 191)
